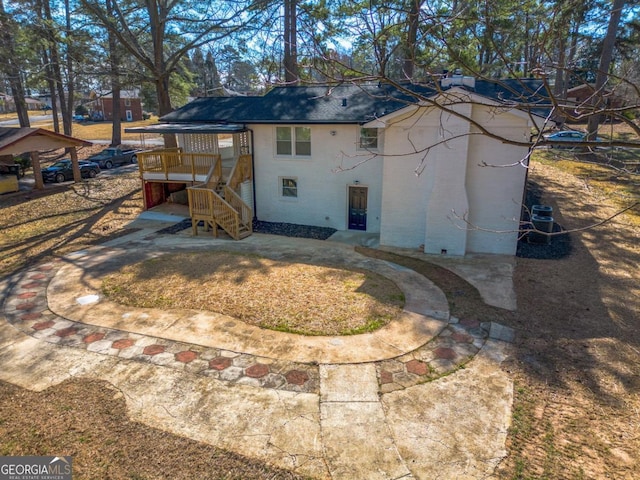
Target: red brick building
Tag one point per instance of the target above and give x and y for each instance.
(101, 108)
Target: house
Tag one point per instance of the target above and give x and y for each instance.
(7, 103)
(582, 99)
(582, 95)
(101, 106)
(436, 168)
(34, 104)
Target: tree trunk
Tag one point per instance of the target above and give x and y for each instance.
(290, 60)
(55, 68)
(599, 98)
(412, 37)
(52, 91)
(114, 62)
(164, 106)
(8, 60)
(70, 78)
(560, 68)
(17, 89)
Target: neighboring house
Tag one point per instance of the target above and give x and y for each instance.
(7, 104)
(580, 98)
(370, 158)
(101, 106)
(34, 103)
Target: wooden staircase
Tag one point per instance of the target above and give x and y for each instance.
(216, 203)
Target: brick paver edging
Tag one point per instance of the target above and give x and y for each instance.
(26, 308)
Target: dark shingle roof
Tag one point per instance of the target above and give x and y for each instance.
(530, 94)
(345, 103)
(306, 104)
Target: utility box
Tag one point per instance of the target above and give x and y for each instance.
(8, 183)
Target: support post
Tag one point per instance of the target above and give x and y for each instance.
(77, 176)
(37, 171)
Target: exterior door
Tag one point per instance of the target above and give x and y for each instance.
(358, 208)
(129, 115)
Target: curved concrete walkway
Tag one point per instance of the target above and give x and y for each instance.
(393, 404)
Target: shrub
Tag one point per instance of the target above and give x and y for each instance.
(24, 162)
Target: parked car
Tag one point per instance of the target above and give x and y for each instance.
(114, 156)
(62, 171)
(569, 136)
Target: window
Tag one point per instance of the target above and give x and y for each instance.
(295, 141)
(127, 102)
(283, 141)
(368, 138)
(289, 187)
(303, 141)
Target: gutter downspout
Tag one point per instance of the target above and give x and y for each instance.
(253, 177)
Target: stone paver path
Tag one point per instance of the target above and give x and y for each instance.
(27, 309)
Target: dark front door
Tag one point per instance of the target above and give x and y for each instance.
(357, 208)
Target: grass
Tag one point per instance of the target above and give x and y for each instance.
(13, 115)
(619, 187)
(90, 130)
(41, 225)
(102, 130)
(287, 296)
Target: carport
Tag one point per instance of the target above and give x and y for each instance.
(16, 141)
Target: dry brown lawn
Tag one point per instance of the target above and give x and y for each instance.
(577, 363)
(43, 224)
(281, 295)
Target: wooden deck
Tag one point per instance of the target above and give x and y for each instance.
(174, 165)
(213, 200)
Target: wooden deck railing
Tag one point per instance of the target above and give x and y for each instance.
(201, 208)
(245, 211)
(170, 162)
(206, 205)
(242, 171)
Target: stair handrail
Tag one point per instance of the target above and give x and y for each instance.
(244, 210)
(241, 171)
(221, 212)
(215, 172)
(228, 218)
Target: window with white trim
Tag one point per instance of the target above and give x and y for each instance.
(127, 102)
(289, 187)
(368, 139)
(293, 141)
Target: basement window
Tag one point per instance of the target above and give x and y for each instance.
(289, 187)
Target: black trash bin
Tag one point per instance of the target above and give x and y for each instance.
(543, 210)
(543, 228)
